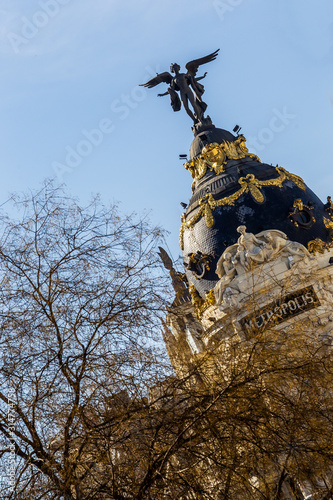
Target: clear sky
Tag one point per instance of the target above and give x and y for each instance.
(70, 67)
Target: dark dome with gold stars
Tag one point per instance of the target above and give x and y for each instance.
(231, 188)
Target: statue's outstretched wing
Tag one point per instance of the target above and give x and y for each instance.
(192, 66)
(165, 259)
(161, 77)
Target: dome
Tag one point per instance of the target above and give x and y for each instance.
(232, 188)
(209, 136)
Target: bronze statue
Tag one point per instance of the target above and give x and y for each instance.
(187, 85)
(179, 281)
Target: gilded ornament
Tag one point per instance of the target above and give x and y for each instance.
(207, 211)
(253, 185)
(197, 301)
(249, 184)
(329, 226)
(298, 204)
(198, 264)
(292, 177)
(318, 246)
(232, 151)
(200, 304)
(181, 232)
(301, 215)
(328, 223)
(214, 157)
(329, 206)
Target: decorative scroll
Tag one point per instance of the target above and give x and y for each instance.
(249, 184)
(214, 157)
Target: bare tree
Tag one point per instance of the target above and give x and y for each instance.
(80, 300)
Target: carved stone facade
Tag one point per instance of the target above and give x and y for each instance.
(281, 278)
(257, 248)
(267, 282)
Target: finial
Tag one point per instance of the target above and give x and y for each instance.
(185, 89)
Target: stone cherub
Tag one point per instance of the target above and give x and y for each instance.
(187, 85)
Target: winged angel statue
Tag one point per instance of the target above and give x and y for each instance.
(187, 85)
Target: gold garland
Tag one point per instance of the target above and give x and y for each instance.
(249, 184)
(214, 157)
(200, 304)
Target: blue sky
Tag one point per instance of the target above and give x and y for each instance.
(70, 75)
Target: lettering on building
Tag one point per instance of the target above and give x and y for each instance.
(280, 310)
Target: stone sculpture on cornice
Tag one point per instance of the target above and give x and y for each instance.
(249, 252)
